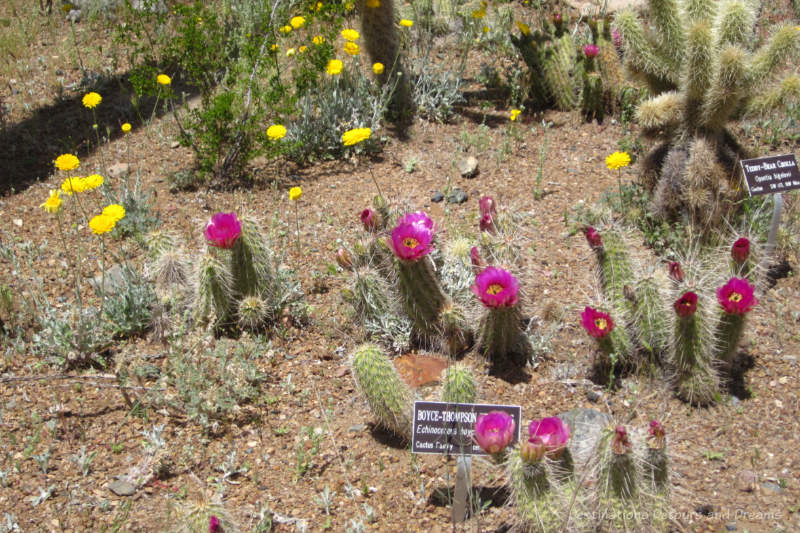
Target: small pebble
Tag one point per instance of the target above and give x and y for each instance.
(437, 197)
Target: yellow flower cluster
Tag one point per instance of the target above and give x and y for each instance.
(78, 184)
(351, 48)
(350, 35)
(53, 202)
(355, 136)
(318, 40)
(297, 22)
(406, 23)
(334, 67)
(618, 160)
(276, 131)
(67, 162)
(514, 114)
(524, 28)
(91, 100)
(295, 193)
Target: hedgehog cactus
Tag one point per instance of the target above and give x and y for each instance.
(214, 290)
(389, 398)
(736, 299)
(650, 316)
(656, 464)
(458, 385)
(696, 379)
(502, 337)
(619, 475)
(699, 66)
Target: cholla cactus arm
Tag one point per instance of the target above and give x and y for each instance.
(782, 47)
(695, 10)
(697, 70)
(671, 36)
(641, 55)
(788, 91)
(727, 89)
(734, 24)
(663, 112)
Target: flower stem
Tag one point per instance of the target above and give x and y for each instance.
(375, 181)
(76, 270)
(297, 227)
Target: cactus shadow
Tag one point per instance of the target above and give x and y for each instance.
(736, 384)
(510, 373)
(482, 497)
(387, 438)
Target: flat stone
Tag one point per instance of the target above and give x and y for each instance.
(437, 197)
(174, 144)
(120, 487)
(118, 169)
(586, 426)
(457, 196)
(730, 527)
(593, 396)
(747, 481)
(774, 487)
(357, 428)
(468, 167)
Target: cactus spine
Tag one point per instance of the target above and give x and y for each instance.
(214, 289)
(696, 380)
(458, 385)
(502, 337)
(729, 331)
(651, 322)
(387, 395)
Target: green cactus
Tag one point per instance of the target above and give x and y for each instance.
(389, 398)
(652, 328)
(696, 379)
(423, 297)
(458, 385)
(619, 477)
(373, 302)
(702, 73)
(537, 506)
(214, 290)
(252, 312)
(502, 337)
(727, 336)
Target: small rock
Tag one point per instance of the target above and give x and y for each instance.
(118, 170)
(730, 527)
(18, 222)
(357, 428)
(457, 196)
(791, 359)
(706, 509)
(747, 481)
(593, 396)
(121, 487)
(437, 197)
(116, 280)
(468, 167)
(586, 426)
(774, 487)
(734, 400)
(174, 144)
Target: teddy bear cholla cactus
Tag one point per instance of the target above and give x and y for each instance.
(696, 60)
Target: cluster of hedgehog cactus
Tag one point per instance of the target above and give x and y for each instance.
(568, 75)
(399, 286)
(625, 477)
(698, 61)
(689, 318)
(234, 285)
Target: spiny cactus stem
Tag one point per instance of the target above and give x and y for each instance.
(622, 476)
(564, 466)
(687, 343)
(729, 331)
(245, 278)
(501, 336)
(656, 468)
(534, 477)
(422, 293)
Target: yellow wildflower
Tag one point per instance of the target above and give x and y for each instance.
(407, 23)
(67, 162)
(91, 100)
(349, 6)
(276, 131)
(53, 202)
(485, 29)
(479, 14)
(351, 48)
(92, 182)
(302, 49)
(618, 160)
(295, 193)
(102, 224)
(524, 28)
(355, 136)
(274, 47)
(285, 29)
(290, 52)
(73, 185)
(319, 6)
(350, 35)
(334, 67)
(318, 40)
(126, 127)
(377, 68)
(514, 114)
(163, 79)
(374, 3)
(115, 211)
(297, 22)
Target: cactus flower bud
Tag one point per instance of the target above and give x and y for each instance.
(590, 50)
(532, 450)
(617, 38)
(222, 230)
(487, 205)
(487, 224)
(369, 219)
(494, 431)
(621, 444)
(593, 237)
(740, 250)
(676, 272)
(343, 259)
(657, 439)
(214, 525)
(686, 305)
(478, 264)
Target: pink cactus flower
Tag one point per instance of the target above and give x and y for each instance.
(478, 264)
(494, 431)
(616, 36)
(590, 50)
(657, 436)
(552, 431)
(686, 305)
(593, 237)
(596, 323)
(487, 224)
(214, 525)
(496, 287)
(487, 205)
(740, 250)
(369, 219)
(621, 444)
(412, 238)
(736, 297)
(343, 259)
(676, 272)
(223, 230)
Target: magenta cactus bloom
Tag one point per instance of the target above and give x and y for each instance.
(487, 224)
(494, 431)
(596, 323)
(657, 434)
(593, 238)
(590, 50)
(676, 272)
(222, 230)
(496, 287)
(616, 36)
(740, 250)
(487, 205)
(412, 241)
(551, 431)
(478, 264)
(621, 444)
(369, 219)
(736, 297)
(214, 525)
(686, 305)
(417, 218)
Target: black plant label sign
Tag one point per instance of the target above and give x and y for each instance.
(768, 175)
(447, 428)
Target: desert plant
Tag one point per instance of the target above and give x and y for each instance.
(458, 385)
(702, 71)
(389, 398)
